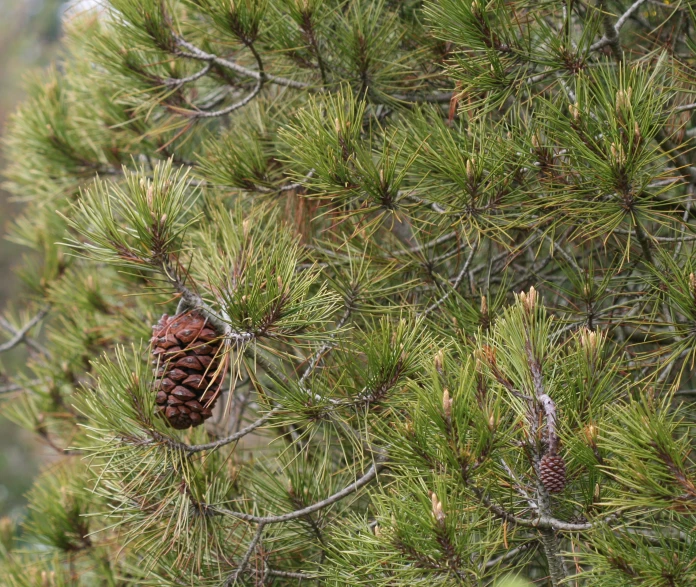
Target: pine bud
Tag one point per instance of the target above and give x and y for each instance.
(590, 432)
(439, 361)
(7, 533)
(470, 171)
(437, 511)
(623, 99)
(488, 355)
(588, 340)
(377, 531)
(150, 196)
(574, 110)
(692, 284)
(636, 132)
(529, 300)
(447, 406)
(337, 125)
(617, 154)
(485, 318)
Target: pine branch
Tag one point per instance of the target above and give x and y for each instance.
(20, 335)
(346, 491)
(228, 109)
(685, 108)
(290, 575)
(244, 101)
(194, 448)
(194, 52)
(542, 522)
(429, 245)
(511, 554)
(192, 300)
(326, 346)
(12, 387)
(455, 284)
(181, 81)
(611, 31)
(232, 579)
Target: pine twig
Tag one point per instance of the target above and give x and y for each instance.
(194, 448)
(454, 284)
(228, 109)
(338, 496)
(510, 554)
(331, 342)
(232, 579)
(178, 82)
(194, 52)
(290, 575)
(685, 107)
(611, 31)
(542, 522)
(20, 335)
(11, 387)
(244, 101)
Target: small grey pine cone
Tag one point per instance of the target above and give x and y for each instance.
(552, 471)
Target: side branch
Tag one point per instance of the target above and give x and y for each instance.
(232, 579)
(19, 335)
(196, 53)
(611, 32)
(194, 448)
(228, 109)
(540, 522)
(455, 284)
(346, 491)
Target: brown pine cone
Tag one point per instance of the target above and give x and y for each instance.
(552, 471)
(187, 353)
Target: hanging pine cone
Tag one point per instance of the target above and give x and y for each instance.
(187, 354)
(552, 471)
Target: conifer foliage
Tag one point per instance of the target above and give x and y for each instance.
(428, 272)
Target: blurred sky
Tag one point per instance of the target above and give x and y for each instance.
(29, 32)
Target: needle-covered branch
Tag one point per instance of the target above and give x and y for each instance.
(460, 232)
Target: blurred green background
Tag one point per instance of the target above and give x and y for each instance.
(29, 35)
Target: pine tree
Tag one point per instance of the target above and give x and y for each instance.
(439, 256)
